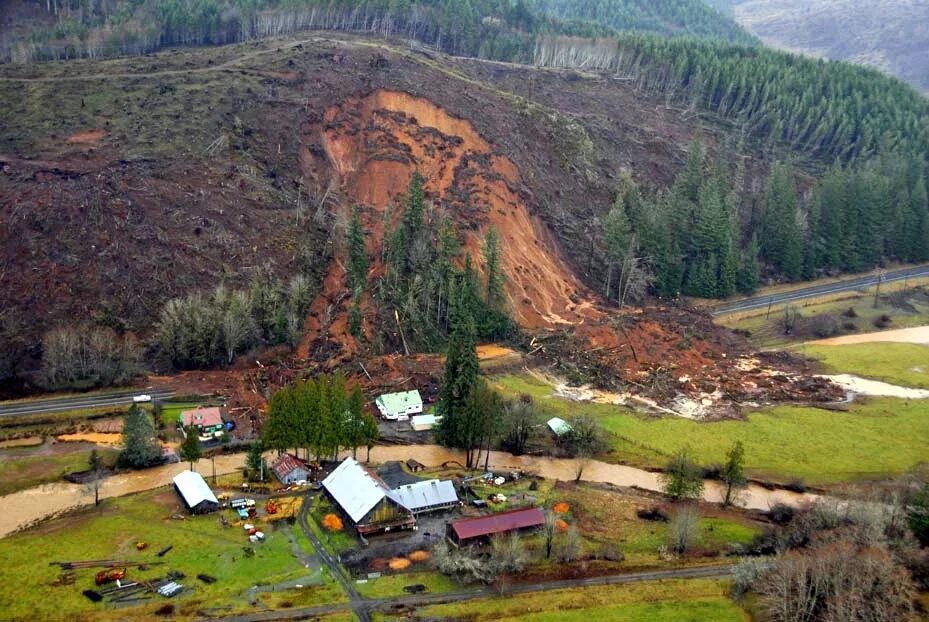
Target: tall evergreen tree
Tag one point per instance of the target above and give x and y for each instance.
(461, 373)
(140, 448)
(781, 241)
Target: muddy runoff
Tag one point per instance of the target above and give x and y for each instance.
(30, 506)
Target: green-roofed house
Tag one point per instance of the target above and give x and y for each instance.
(399, 406)
(559, 426)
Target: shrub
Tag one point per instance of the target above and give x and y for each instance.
(654, 514)
(850, 313)
(824, 326)
(781, 513)
(796, 485)
(333, 523)
(882, 321)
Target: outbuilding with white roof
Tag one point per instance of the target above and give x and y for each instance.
(195, 493)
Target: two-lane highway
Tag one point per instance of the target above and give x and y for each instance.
(77, 402)
(815, 291)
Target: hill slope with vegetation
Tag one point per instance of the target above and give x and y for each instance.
(691, 18)
(178, 179)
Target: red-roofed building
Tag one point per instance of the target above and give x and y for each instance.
(470, 530)
(208, 421)
(290, 469)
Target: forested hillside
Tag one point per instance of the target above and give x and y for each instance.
(668, 17)
(828, 110)
(890, 35)
(500, 29)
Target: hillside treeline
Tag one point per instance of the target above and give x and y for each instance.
(499, 29)
(698, 239)
(693, 18)
(825, 109)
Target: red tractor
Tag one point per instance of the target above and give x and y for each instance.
(108, 576)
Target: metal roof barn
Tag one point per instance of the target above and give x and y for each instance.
(195, 492)
(365, 498)
(427, 496)
(484, 526)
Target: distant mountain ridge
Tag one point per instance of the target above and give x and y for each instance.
(890, 35)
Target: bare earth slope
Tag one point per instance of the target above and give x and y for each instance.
(126, 182)
(891, 35)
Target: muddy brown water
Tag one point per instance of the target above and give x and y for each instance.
(29, 506)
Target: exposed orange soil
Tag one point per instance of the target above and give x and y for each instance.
(88, 137)
(374, 144)
(492, 351)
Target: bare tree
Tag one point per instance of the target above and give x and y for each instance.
(82, 356)
(549, 529)
(684, 529)
(570, 546)
(94, 482)
(837, 582)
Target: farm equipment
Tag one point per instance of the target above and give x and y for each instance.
(108, 576)
(271, 507)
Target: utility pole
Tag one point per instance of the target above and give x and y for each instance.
(877, 291)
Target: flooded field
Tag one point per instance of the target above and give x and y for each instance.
(29, 506)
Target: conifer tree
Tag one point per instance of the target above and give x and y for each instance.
(190, 450)
(749, 277)
(461, 372)
(140, 448)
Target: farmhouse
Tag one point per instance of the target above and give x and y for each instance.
(289, 469)
(427, 496)
(366, 500)
(399, 406)
(209, 421)
(471, 530)
(195, 493)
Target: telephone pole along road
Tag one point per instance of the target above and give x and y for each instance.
(815, 291)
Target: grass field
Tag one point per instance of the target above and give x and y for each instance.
(880, 437)
(608, 519)
(22, 468)
(684, 601)
(392, 585)
(904, 364)
(201, 545)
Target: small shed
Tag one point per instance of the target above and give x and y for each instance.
(424, 423)
(471, 530)
(427, 496)
(399, 406)
(195, 493)
(559, 426)
(290, 469)
(415, 466)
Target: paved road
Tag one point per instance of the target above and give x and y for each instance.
(75, 402)
(814, 291)
(356, 601)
